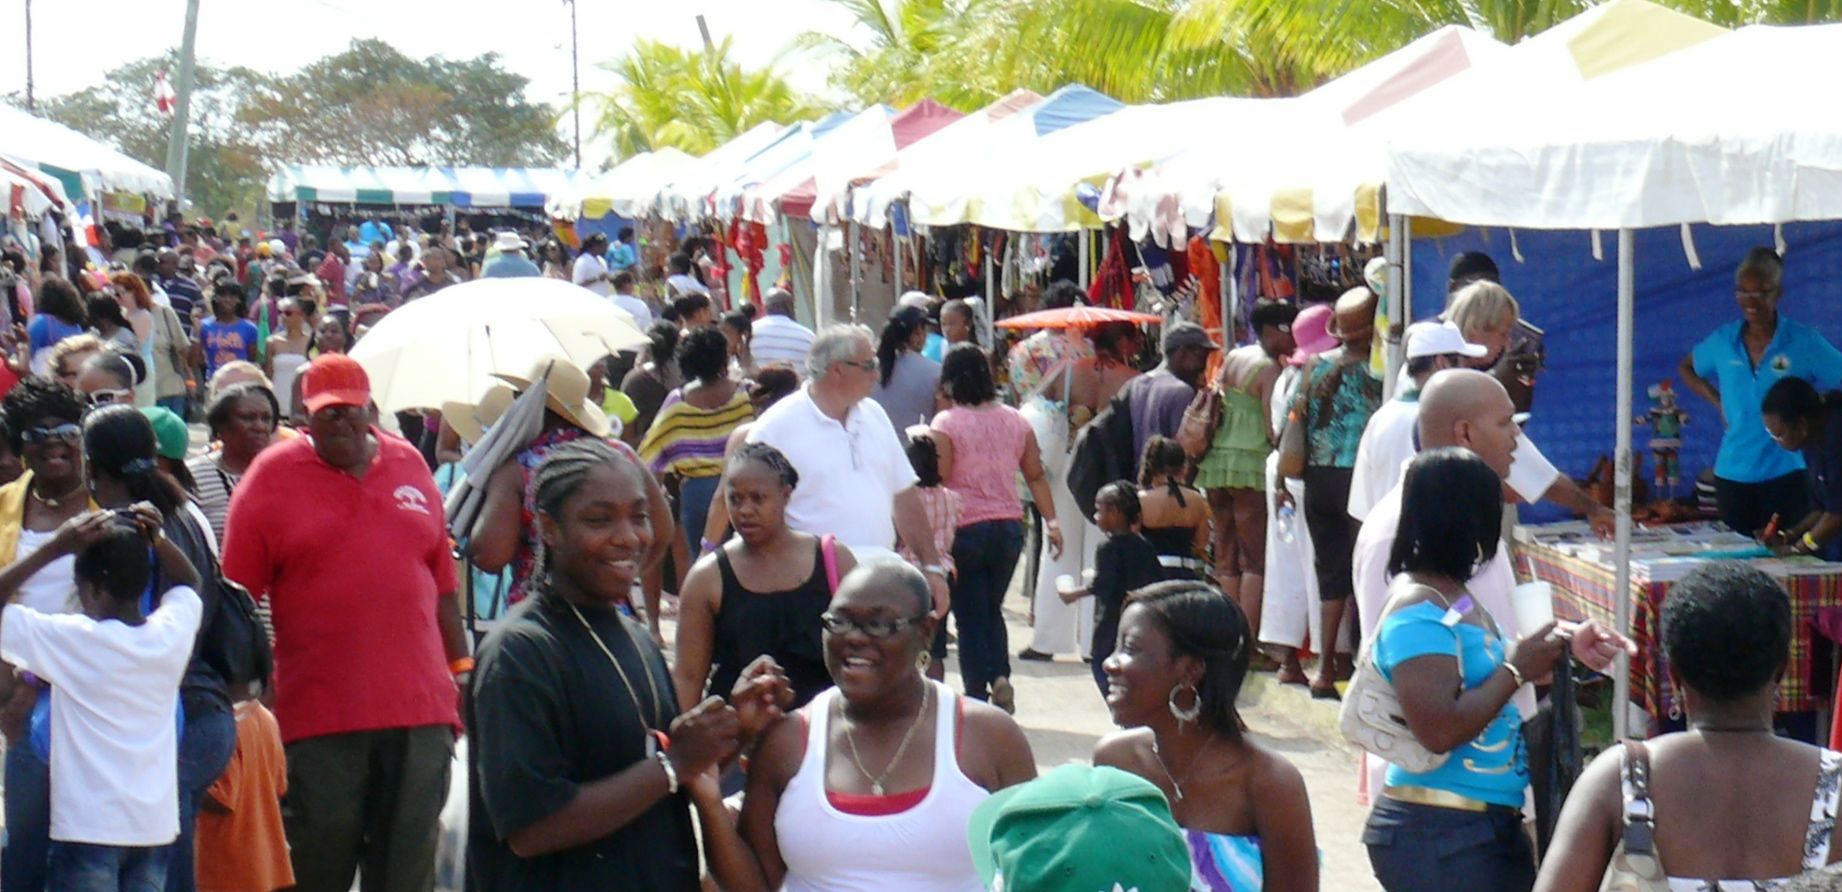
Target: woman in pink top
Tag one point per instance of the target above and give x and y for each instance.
(983, 444)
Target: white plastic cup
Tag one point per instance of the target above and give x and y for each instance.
(1065, 583)
(1534, 606)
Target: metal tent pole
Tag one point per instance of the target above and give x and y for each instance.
(1231, 296)
(1621, 596)
(1086, 277)
(991, 299)
(1397, 301)
(850, 246)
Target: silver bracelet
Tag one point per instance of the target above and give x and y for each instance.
(935, 569)
(671, 774)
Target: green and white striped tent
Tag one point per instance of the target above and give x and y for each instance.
(465, 187)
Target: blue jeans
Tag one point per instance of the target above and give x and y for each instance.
(694, 495)
(175, 404)
(28, 820)
(985, 557)
(81, 867)
(1423, 848)
(204, 751)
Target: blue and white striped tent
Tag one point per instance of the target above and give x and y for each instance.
(466, 187)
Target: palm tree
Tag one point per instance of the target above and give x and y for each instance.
(689, 99)
(912, 50)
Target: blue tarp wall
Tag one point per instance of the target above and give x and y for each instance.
(1574, 298)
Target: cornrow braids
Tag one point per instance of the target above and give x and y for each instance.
(770, 458)
(557, 478)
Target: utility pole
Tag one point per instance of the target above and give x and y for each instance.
(703, 28)
(575, 81)
(176, 146)
(29, 105)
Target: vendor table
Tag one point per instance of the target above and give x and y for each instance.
(1583, 577)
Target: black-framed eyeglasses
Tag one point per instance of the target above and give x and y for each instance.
(839, 624)
(67, 432)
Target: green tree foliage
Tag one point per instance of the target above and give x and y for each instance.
(366, 105)
(690, 100)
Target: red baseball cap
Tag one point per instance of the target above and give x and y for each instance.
(334, 379)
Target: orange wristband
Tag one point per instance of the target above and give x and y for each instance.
(461, 666)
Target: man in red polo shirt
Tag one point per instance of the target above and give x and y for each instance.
(343, 530)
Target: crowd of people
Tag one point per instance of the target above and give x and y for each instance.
(247, 663)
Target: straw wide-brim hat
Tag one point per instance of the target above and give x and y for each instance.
(470, 420)
(565, 393)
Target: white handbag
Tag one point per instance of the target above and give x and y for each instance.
(1372, 717)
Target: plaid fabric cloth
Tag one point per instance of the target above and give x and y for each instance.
(1583, 590)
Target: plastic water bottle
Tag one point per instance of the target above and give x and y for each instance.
(1287, 520)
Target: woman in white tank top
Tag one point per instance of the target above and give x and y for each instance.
(871, 785)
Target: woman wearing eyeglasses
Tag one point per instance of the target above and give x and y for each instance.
(871, 785)
(289, 348)
(45, 419)
(762, 592)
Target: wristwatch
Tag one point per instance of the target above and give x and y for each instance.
(935, 569)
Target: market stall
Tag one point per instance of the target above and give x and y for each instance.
(87, 168)
(1628, 155)
(1583, 572)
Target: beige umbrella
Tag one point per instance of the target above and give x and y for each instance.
(446, 347)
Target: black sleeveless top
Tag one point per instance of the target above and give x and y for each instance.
(783, 624)
(1175, 542)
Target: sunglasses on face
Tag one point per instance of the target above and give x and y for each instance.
(868, 365)
(839, 624)
(66, 432)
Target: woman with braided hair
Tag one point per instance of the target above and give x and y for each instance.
(579, 746)
(762, 592)
(1176, 515)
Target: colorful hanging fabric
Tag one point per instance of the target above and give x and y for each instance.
(1112, 284)
(1209, 286)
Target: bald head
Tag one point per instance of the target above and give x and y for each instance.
(1354, 317)
(1461, 407)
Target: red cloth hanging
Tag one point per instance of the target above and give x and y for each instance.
(747, 239)
(1112, 285)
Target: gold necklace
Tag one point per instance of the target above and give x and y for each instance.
(57, 502)
(651, 686)
(876, 781)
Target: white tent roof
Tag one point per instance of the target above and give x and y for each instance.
(1304, 168)
(841, 148)
(48, 145)
(620, 190)
(1686, 138)
(953, 193)
(952, 147)
(459, 186)
(685, 197)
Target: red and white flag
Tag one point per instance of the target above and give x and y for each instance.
(164, 97)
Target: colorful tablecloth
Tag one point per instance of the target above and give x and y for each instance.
(1583, 590)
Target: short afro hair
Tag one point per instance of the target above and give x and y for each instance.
(703, 354)
(1727, 630)
(34, 399)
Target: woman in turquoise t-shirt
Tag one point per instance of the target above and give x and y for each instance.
(1458, 826)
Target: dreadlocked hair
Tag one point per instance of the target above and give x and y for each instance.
(559, 477)
(770, 458)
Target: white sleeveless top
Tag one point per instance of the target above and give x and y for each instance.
(923, 849)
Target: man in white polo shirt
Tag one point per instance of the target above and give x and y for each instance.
(855, 481)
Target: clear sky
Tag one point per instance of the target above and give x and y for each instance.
(76, 41)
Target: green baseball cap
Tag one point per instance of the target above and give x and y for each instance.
(170, 432)
(1079, 828)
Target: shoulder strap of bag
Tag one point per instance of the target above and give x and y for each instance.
(1638, 837)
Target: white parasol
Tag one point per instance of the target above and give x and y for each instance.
(445, 347)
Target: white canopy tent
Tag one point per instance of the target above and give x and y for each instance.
(613, 192)
(950, 147)
(61, 151)
(1675, 141)
(865, 134)
(687, 194)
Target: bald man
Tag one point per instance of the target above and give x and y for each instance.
(1471, 410)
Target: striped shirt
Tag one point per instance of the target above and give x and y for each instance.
(780, 339)
(687, 440)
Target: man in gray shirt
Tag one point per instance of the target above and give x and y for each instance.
(1157, 398)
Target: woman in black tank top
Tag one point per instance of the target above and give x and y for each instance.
(761, 592)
